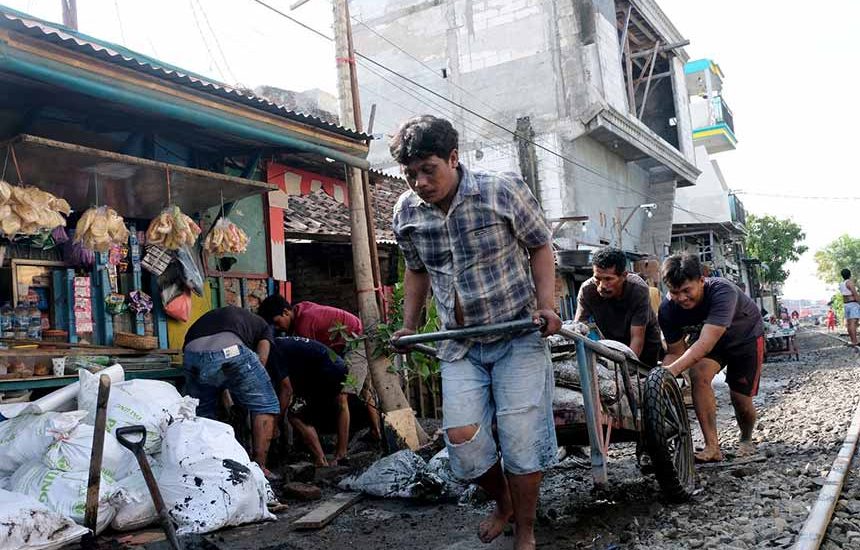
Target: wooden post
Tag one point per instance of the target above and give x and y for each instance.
(70, 13)
(397, 411)
(628, 65)
(648, 82)
(94, 483)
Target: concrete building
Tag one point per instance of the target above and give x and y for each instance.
(709, 219)
(587, 99)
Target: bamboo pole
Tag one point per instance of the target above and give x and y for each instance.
(398, 412)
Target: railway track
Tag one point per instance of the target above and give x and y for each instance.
(818, 523)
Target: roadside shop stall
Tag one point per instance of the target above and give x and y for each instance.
(97, 251)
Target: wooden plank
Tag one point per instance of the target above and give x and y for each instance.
(628, 65)
(626, 26)
(323, 514)
(662, 49)
(648, 82)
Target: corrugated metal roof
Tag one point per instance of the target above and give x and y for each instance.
(119, 55)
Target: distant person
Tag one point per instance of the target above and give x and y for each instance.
(620, 304)
(653, 292)
(852, 305)
(709, 323)
(831, 320)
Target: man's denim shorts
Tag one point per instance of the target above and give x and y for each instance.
(852, 310)
(509, 382)
(207, 373)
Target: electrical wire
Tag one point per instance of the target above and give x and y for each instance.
(493, 123)
(217, 42)
(212, 59)
(796, 197)
(119, 20)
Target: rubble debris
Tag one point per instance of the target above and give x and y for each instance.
(302, 491)
(404, 474)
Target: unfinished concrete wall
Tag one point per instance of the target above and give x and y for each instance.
(498, 58)
(603, 183)
(556, 62)
(708, 200)
(657, 230)
(683, 116)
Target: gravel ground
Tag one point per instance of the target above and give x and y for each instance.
(804, 410)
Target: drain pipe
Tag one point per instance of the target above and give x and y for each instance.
(812, 534)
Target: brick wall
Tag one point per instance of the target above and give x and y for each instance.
(323, 273)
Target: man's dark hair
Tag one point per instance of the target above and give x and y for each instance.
(610, 257)
(846, 274)
(679, 268)
(273, 306)
(422, 137)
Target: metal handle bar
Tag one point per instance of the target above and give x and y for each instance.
(596, 347)
(467, 332)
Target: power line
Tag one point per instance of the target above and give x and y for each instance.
(217, 42)
(432, 70)
(422, 63)
(472, 112)
(119, 20)
(212, 59)
(796, 197)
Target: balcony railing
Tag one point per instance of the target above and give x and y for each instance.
(720, 113)
(739, 213)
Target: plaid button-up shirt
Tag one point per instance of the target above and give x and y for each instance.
(477, 252)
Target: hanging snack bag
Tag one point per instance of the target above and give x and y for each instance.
(226, 238)
(172, 229)
(100, 228)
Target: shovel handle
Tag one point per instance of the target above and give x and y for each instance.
(128, 437)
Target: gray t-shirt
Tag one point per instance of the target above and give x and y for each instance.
(723, 305)
(614, 317)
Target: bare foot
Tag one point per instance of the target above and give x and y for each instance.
(494, 525)
(746, 448)
(321, 463)
(525, 542)
(708, 455)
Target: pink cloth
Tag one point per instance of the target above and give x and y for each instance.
(315, 321)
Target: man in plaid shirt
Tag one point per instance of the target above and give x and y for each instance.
(480, 241)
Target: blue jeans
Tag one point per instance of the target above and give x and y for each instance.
(207, 373)
(509, 382)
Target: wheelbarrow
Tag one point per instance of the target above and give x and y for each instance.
(649, 409)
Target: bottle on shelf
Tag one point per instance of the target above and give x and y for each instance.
(21, 320)
(34, 326)
(7, 315)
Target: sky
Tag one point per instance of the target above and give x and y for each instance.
(790, 81)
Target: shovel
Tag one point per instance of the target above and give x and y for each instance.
(133, 438)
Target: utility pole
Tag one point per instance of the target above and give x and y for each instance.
(70, 13)
(398, 413)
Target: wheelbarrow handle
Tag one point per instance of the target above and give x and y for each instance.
(128, 437)
(468, 332)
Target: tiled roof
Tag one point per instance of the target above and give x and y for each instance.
(320, 214)
(119, 55)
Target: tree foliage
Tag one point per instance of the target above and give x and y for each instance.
(775, 242)
(840, 254)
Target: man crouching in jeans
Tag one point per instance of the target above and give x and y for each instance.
(480, 240)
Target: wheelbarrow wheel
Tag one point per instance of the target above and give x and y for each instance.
(667, 435)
